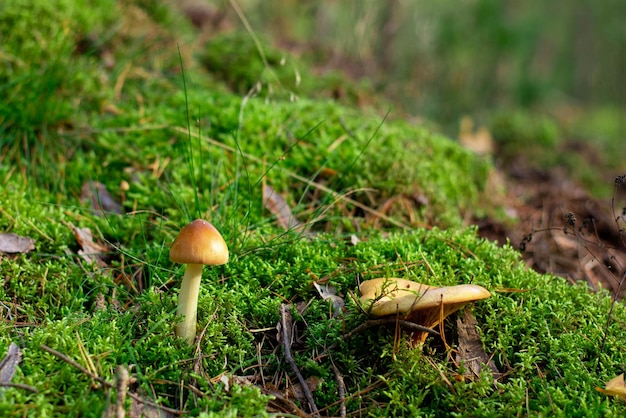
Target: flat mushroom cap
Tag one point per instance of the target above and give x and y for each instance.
(199, 243)
(385, 289)
(416, 302)
(389, 296)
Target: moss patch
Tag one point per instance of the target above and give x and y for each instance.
(168, 152)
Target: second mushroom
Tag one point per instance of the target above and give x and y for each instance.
(416, 302)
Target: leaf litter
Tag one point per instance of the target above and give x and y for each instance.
(470, 351)
(11, 243)
(90, 250)
(278, 207)
(9, 364)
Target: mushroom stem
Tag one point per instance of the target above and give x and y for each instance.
(188, 302)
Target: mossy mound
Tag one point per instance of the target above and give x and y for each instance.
(378, 196)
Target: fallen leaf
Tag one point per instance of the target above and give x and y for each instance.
(281, 404)
(12, 244)
(354, 240)
(9, 364)
(615, 387)
(328, 292)
(296, 391)
(277, 206)
(91, 251)
(470, 350)
(139, 409)
(479, 141)
(99, 197)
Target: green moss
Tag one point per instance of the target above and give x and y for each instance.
(546, 340)
(41, 61)
(552, 326)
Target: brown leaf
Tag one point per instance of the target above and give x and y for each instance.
(479, 141)
(9, 363)
(11, 243)
(275, 203)
(91, 251)
(99, 197)
(296, 391)
(615, 387)
(328, 292)
(281, 404)
(139, 409)
(470, 350)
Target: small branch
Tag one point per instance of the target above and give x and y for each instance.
(379, 322)
(285, 316)
(341, 389)
(106, 383)
(19, 386)
(76, 365)
(122, 386)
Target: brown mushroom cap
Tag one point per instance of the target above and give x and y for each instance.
(416, 302)
(199, 243)
(376, 293)
(400, 296)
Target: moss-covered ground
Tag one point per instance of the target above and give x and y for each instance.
(107, 92)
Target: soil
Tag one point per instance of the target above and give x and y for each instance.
(562, 229)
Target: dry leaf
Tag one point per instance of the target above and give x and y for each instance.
(615, 387)
(354, 240)
(281, 404)
(12, 244)
(91, 251)
(470, 350)
(139, 409)
(99, 197)
(479, 141)
(9, 363)
(296, 391)
(328, 292)
(275, 203)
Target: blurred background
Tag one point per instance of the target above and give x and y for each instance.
(445, 58)
(537, 76)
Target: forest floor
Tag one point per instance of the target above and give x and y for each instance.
(561, 228)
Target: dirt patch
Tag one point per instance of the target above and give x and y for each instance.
(562, 229)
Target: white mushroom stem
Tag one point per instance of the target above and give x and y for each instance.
(188, 302)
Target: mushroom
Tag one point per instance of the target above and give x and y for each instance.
(197, 244)
(416, 302)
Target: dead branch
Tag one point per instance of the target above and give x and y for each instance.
(122, 386)
(341, 389)
(19, 386)
(379, 322)
(286, 320)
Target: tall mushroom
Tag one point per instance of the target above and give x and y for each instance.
(197, 244)
(416, 302)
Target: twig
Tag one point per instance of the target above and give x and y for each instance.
(76, 365)
(619, 182)
(285, 316)
(106, 383)
(19, 386)
(358, 394)
(122, 386)
(341, 389)
(378, 322)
